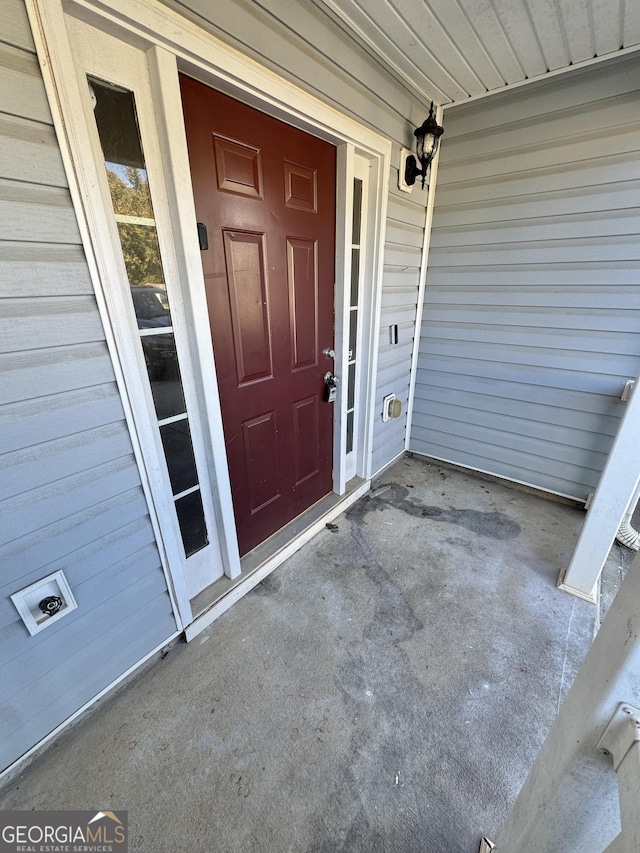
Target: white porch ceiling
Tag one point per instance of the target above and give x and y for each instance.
(451, 50)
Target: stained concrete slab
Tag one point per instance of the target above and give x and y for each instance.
(386, 689)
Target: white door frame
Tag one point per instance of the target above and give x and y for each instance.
(171, 44)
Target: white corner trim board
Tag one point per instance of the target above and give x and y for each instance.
(424, 261)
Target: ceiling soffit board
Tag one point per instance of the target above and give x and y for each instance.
(396, 56)
(451, 51)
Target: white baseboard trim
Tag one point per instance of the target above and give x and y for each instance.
(499, 478)
(388, 464)
(18, 765)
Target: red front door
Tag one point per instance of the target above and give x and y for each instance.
(266, 193)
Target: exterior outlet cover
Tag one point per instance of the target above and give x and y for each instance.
(31, 602)
(391, 407)
(387, 404)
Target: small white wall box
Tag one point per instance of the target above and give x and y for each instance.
(391, 407)
(402, 184)
(44, 602)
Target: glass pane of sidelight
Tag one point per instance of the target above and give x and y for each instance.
(117, 123)
(353, 331)
(351, 393)
(159, 353)
(141, 254)
(176, 440)
(151, 306)
(129, 187)
(357, 211)
(192, 524)
(166, 386)
(355, 277)
(349, 432)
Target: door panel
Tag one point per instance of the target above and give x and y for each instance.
(302, 271)
(301, 187)
(305, 422)
(248, 304)
(238, 167)
(266, 192)
(261, 458)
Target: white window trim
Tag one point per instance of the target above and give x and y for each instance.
(97, 53)
(174, 43)
(352, 464)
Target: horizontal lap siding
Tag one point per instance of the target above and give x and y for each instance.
(301, 42)
(402, 261)
(70, 493)
(531, 324)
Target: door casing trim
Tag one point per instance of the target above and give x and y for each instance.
(172, 44)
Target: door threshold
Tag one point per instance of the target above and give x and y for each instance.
(214, 600)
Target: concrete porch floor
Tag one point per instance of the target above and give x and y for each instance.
(386, 689)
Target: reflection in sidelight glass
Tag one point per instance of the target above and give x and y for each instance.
(117, 123)
(355, 275)
(357, 211)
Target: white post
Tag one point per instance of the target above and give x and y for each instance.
(618, 483)
(569, 800)
(628, 778)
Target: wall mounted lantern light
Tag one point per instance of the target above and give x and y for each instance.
(427, 139)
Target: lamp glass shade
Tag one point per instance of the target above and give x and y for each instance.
(426, 147)
(427, 138)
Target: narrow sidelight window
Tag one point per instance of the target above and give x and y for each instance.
(353, 308)
(117, 123)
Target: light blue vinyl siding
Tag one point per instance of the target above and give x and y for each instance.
(531, 324)
(402, 260)
(70, 493)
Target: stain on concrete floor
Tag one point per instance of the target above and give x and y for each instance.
(493, 525)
